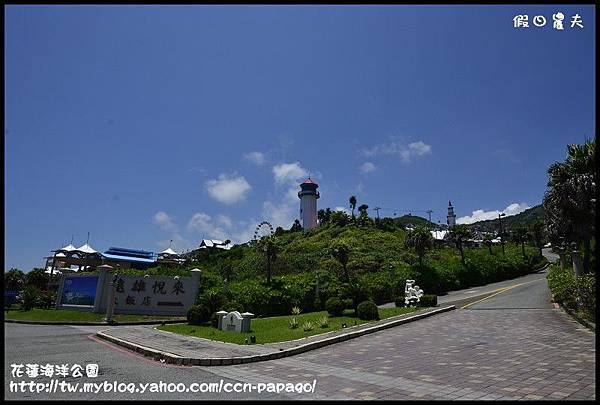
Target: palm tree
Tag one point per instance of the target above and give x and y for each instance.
(420, 240)
(458, 234)
(340, 250)
(569, 203)
(352, 201)
(519, 235)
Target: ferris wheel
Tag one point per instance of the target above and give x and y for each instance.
(263, 229)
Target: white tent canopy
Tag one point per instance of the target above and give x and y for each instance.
(169, 251)
(87, 249)
(68, 248)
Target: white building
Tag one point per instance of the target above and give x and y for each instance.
(215, 244)
(308, 196)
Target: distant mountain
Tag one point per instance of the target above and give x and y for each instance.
(525, 218)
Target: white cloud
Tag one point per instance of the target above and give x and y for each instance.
(244, 231)
(224, 220)
(286, 173)
(280, 214)
(481, 215)
(228, 190)
(514, 209)
(360, 187)
(367, 167)
(202, 223)
(163, 220)
(419, 148)
(397, 147)
(258, 158)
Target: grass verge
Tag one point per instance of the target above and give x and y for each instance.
(277, 329)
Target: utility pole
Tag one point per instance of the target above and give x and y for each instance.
(429, 213)
(377, 209)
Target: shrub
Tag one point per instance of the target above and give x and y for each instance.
(214, 299)
(293, 323)
(324, 322)
(562, 283)
(307, 326)
(47, 299)
(198, 314)
(585, 295)
(428, 300)
(357, 292)
(296, 311)
(576, 293)
(233, 306)
(367, 310)
(335, 306)
(37, 278)
(400, 301)
(427, 278)
(30, 298)
(348, 304)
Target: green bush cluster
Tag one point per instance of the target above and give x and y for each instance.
(575, 293)
(335, 306)
(198, 314)
(428, 300)
(446, 273)
(30, 298)
(367, 310)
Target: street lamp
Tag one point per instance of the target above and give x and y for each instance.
(501, 231)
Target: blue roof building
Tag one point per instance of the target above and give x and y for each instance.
(124, 258)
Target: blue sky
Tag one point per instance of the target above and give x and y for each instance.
(141, 124)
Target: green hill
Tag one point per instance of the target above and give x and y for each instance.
(414, 221)
(525, 218)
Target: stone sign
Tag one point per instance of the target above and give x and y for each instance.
(145, 295)
(234, 321)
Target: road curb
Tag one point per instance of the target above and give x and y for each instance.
(223, 361)
(591, 326)
(66, 323)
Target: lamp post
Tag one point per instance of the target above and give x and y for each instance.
(501, 231)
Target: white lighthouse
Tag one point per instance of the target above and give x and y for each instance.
(308, 203)
(451, 217)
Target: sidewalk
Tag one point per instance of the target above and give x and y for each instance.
(186, 350)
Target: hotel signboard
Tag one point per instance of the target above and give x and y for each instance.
(133, 294)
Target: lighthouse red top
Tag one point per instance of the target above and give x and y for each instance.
(309, 181)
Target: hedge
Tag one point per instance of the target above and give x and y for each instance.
(575, 293)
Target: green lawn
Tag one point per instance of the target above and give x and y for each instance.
(277, 329)
(64, 315)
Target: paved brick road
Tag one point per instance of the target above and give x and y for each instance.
(529, 351)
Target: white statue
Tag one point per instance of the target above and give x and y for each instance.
(412, 293)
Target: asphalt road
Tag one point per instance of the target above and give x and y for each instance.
(512, 345)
